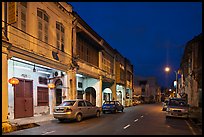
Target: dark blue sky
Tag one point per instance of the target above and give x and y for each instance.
(150, 34)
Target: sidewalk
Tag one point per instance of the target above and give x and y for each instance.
(23, 123)
(196, 116)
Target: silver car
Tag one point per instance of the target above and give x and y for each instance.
(165, 104)
(177, 107)
(76, 109)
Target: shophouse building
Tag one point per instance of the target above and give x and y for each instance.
(55, 55)
(190, 82)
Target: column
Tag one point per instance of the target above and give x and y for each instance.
(4, 85)
(99, 93)
(6, 127)
(72, 82)
(113, 87)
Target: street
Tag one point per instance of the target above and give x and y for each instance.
(143, 119)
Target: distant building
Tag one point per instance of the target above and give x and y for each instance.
(148, 88)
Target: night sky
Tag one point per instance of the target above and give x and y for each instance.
(150, 34)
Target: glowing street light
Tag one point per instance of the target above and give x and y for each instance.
(167, 69)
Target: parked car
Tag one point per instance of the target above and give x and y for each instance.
(177, 107)
(112, 106)
(76, 109)
(165, 103)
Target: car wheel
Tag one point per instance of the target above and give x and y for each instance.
(98, 114)
(78, 117)
(104, 112)
(167, 117)
(115, 111)
(61, 120)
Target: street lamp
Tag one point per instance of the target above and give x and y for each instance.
(167, 69)
(176, 81)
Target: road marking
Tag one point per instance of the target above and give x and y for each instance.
(141, 116)
(48, 132)
(126, 126)
(190, 127)
(135, 120)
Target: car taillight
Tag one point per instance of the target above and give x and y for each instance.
(168, 109)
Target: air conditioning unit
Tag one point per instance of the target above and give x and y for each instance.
(57, 74)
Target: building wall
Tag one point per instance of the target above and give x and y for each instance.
(27, 46)
(191, 70)
(30, 42)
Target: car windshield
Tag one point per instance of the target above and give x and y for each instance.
(175, 102)
(67, 103)
(109, 102)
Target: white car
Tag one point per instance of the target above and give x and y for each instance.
(76, 109)
(177, 107)
(165, 103)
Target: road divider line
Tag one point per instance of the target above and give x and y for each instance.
(135, 120)
(126, 126)
(141, 116)
(48, 132)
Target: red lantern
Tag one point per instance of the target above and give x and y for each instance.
(51, 85)
(13, 81)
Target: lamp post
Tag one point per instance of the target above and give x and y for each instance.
(167, 69)
(176, 81)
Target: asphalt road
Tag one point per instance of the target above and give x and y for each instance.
(144, 119)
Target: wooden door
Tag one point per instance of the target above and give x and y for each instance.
(23, 99)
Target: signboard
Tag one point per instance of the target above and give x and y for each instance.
(175, 84)
(12, 11)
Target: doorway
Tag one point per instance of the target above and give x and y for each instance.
(23, 99)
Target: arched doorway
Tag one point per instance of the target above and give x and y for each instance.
(119, 96)
(107, 94)
(58, 92)
(90, 94)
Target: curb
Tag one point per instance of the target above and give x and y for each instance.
(197, 125)
(7, 127)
